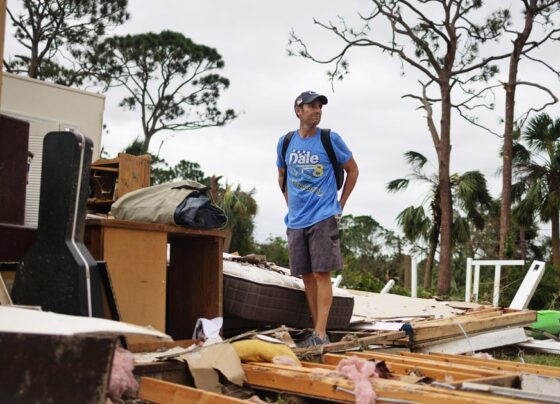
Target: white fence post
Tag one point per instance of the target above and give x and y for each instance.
(468, 281)
(497, 264)
(414, 278)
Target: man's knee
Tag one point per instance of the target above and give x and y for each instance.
(322, 276)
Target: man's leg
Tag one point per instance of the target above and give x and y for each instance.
(324, 302)
(310, 284)
(325, 256)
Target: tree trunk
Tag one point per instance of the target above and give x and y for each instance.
(505, 209)
(510, 87)
(555, 238)
(214, 187)
(429, 265)
(33, 68)
(444, 187)
(434, 239)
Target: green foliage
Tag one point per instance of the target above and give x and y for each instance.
(240, 207)
(536, 165)
(421, 224)
(161, 172)
(55, 32)
(372, 254)
(276, 250)
(170, 79)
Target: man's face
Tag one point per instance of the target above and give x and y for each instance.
(310, 114)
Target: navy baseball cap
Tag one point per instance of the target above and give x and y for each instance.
(307, 97)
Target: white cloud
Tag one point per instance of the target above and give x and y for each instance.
(366, 108)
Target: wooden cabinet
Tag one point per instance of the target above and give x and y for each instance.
(112, 178)
(14, 139)
(148, 291)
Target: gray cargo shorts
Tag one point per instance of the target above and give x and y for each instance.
(315, 248)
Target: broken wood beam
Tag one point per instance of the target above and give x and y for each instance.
(318, 384)
(458, 325)
(436, 371)
(159, 391)
(160, 345)
(359, 343)
(503, 365)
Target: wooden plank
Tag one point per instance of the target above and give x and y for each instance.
(360, 343)
(476, 342)
(306, 382)
(4, 295)
(389, 358)
(172, 230)
(431, 330)
(503, 365)
(417, 346)
(159, 391)
(108, 169)
(507, 380)
(137, 263)
(160, 345)
(441, 374)
(134, 173)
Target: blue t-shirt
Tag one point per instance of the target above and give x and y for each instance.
(311, 184)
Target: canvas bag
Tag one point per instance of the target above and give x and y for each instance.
(181, 202)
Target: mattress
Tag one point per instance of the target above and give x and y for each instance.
(274, 298)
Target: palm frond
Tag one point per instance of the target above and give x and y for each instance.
(414, 223)
(415, 159)
(397, 185)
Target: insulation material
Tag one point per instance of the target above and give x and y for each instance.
(122, 381)
(359, 371)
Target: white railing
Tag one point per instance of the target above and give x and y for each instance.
(497, 264)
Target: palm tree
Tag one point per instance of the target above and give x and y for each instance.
(537, 171)
(470, 195)
(414, 221)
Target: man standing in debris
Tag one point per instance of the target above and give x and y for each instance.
(307, 175)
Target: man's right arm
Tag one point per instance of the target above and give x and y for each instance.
(281, 174)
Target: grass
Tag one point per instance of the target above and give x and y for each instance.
(528, 357)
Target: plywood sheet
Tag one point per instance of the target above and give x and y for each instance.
(382, 306)
(137, 263)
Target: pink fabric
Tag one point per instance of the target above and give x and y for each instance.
(359, 371)
(285, 360)
(122, 379)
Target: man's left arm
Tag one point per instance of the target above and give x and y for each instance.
(352, 173)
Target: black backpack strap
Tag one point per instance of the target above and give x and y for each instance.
(337, 167)
(285, 144)
(327, 144)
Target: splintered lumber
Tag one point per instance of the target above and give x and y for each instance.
(433, 330)
(4, 295)
(405, 366)
(475, 342)
(359, 343)
(319, 384)
(503, 365)
(159, 391)
(160, 345)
